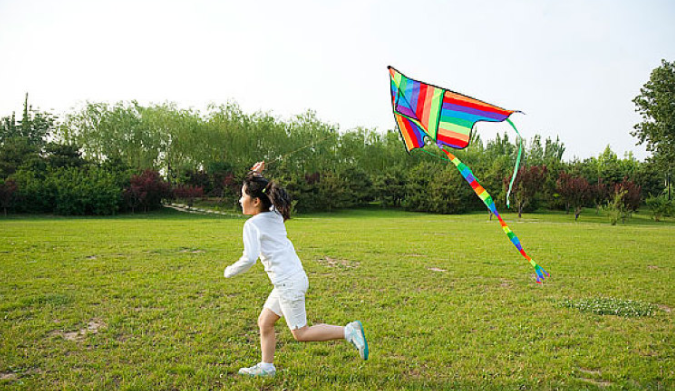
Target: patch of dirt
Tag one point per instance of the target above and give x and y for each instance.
(653, 267)
(332, 262)
(436, 269)
(8, 376)
(593, 373)
(191, 251)
(597, 383)
(78, 336)
(665, 308)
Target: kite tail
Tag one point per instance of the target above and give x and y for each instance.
(489, 202)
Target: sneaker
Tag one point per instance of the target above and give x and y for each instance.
(257, 370)
(354, 334)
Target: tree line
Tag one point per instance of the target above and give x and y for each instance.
(125, 157)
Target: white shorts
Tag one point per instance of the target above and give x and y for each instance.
(287, 300)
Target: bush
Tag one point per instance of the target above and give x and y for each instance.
(616, 208)
(69, 191)
(188, 193)
(7, 194)
(146, 191)
(660, 207)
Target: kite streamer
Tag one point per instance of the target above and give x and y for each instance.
(424, 111)
(490, 203)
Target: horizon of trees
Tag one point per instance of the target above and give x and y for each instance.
(113, 149)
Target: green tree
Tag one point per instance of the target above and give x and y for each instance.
(656, 105)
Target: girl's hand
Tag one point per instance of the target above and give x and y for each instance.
(258, 167)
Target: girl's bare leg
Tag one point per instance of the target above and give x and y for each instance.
(319, 332)
(268, 341)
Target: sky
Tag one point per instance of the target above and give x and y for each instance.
(572, 67)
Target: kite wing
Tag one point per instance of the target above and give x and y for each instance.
(425, 111)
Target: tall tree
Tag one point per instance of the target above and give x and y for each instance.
(656, 105)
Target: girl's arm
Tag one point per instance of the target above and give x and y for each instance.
(251, 252)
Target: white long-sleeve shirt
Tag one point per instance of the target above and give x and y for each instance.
(265, 238)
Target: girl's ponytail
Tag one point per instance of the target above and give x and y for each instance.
(280, 199)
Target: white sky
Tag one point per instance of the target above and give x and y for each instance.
(572, 66)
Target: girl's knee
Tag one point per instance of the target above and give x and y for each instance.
(299, 334)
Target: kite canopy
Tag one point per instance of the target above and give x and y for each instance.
(444, 116)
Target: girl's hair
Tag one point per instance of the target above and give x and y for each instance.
(269, 193)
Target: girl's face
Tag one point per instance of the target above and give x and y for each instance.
(249, 205)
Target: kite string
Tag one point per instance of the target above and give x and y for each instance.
(298, 150)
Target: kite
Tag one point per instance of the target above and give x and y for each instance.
(424, 111)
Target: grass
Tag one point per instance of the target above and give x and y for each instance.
(139, 303)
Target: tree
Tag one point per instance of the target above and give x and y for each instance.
(146, 190)
(527, 184)
(574, 191)
(188, 193)
(7, 194)
(33, 128)
(656, 105)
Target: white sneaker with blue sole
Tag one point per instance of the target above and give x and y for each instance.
(355, 335)
(257, 370)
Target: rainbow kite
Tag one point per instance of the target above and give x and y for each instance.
(424, 111)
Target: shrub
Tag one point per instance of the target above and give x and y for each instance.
(188, 193)
(660, 207)
(146, 191)
(69, 191)
(7, 194)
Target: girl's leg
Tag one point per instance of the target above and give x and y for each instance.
(319, 332)
(266, 322)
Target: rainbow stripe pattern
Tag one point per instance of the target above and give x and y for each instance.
(489, 202)
(447, 117)
(423, 111)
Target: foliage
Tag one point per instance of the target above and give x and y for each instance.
(146, 191)
(528, 182)
(69, 191)
(33, 128)
(660, 206)
(574, 191)
(323, 168)
(8, 190)
(189, 193)
(616, 207)
(631, 194)
(656, 105)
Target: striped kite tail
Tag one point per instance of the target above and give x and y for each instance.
(489, 202)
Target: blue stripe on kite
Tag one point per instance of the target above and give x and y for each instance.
(414, 96)
(485, 115)
(470, 178)
(449, 115)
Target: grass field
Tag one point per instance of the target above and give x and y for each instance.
(139, 302)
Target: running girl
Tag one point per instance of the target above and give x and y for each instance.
(265, 238)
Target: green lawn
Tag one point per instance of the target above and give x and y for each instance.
(139, 302)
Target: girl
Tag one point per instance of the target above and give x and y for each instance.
(265, 237)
